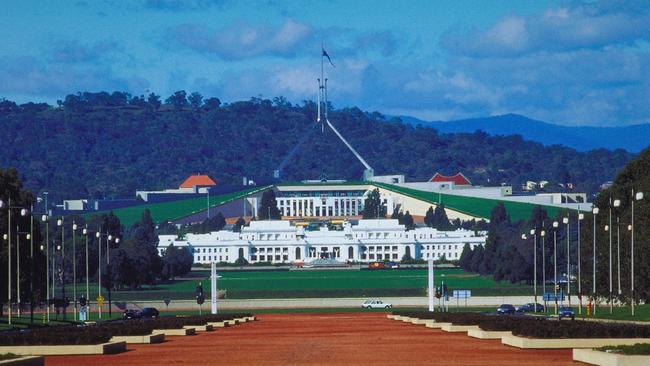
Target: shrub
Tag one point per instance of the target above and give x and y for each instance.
(57, 335)
(637, 349)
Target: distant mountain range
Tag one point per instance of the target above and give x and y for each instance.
(631, 138)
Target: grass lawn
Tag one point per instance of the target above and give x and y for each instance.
(316, 283)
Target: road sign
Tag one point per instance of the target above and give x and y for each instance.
(551, 297)
(100, 300)
(462, 294)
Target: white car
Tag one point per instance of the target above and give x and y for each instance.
(376, 304)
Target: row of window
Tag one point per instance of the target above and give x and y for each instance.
(197, 258)
(209, 250)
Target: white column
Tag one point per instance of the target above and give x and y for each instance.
(431, 278)
(213, 288)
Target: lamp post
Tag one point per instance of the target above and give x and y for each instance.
(617, 203)
(595, 212)
(567, 222)
(207, 190)
(608, 228)
(54, 250)
(23, 212)
(28, 237)
(85, 233)
(637, 197)
(98, 235)
(31, 266)
(555, 226)
(74, 269)
(581, 217)
(542, 233)
(65, 303)
(532, 233)
(46, 220)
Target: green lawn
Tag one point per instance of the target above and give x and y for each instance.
(169, 211)
(327, 283)
(474, 206)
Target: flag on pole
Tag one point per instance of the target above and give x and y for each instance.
(328, 57)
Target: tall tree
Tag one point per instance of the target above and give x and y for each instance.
(269, 206)
(429, 217)
(373, 207)
(238, 225)
(408, 221)
(176, 261)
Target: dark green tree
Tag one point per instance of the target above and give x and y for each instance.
(429, 217)
(269, 206)
(373, 207)
(176, 262)
(196, 100)
(238, 225)
(178, 100)
(408, 221)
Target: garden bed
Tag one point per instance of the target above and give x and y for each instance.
(602, 358)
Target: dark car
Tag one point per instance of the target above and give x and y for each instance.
(150, 313)
(506, 309)
(132, 314)
(566, 312)
(530, 308)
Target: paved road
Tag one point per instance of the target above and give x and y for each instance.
(234, 304)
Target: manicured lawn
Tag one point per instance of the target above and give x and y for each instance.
(169, 211)
(318, 283)
(474, 206)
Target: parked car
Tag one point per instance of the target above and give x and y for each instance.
(530, 308)
(566, 312)
(132, 314)
(150, 313)
(376, 304)
(506, 309)
(376, 265)
(393, 265)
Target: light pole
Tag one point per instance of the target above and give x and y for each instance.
(555, 226)
(608, 228)
(567, 222)
(85, 233)
(23, 212)
(532, 232)
(595, 212)
(65, 302)
(74, 269)
(638, 197)
(54, 250)
(581, 217)
(617, 203)
(207, 190)
(28, 237)
(46, 220)
(542, 233)
(100, 300)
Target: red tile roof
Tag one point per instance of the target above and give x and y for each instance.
(458, 179)
(197, 180)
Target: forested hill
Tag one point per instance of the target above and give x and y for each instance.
(109, 145)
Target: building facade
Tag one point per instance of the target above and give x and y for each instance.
(368, 241)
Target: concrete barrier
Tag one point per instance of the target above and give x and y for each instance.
(218, 324)
(175, 332)
(140, 339)
(436, 325)
(200, 328)
(231, 322)
(487, 334)
(563, 343)
(77, 349)
(458, 328)
(24, 361)
(419, 321)
(601, 358)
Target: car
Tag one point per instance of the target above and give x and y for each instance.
(376, 304)
(132, 314)
(531, 307)
(150, 313)
(393, 265)
(506, 309)
(376, 265)
(566, 312)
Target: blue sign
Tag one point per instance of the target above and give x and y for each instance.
(462, 294)
(551, 297)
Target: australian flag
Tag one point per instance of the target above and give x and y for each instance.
(328, 57)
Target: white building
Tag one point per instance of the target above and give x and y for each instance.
(280, 242)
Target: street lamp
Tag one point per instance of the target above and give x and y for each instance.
(555, 226)
(74, 269)
(581, 217)
(59, 222)
(566, 222)
(46, 220)
(98, 235)
(85, 233)
(617, 203)
(207, 190)
(532, 232)
(542, 233)
(637, 197)
(27, 236)
(595, 212)
(23, 212)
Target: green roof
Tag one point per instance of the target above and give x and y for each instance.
(473, 206)
(174, 210)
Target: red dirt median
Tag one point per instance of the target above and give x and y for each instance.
(324, 339)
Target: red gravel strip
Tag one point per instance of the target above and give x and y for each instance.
(324, 339)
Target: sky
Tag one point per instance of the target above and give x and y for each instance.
(565, 62)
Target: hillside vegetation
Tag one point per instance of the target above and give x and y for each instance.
(109, 145)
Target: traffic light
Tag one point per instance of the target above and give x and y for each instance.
(438, 292)
(200, 296)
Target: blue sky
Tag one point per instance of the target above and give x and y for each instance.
(570, 63)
